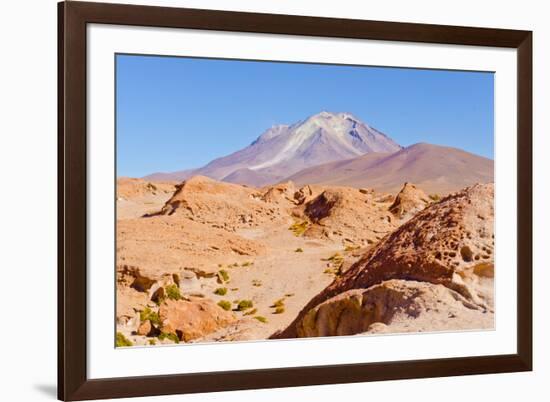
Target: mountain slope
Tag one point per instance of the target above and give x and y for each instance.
(250, 178)
(174, 176)
(284, 150)
(433, 168)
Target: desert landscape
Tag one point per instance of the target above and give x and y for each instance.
(321, 228)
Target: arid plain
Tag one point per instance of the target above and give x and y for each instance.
(323, 228)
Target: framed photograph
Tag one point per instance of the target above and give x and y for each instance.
(253, 200)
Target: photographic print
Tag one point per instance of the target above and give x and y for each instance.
(262, 200)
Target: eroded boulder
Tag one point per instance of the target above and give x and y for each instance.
(409, 201)
(193, 318)
(393, 306)
(429, 248)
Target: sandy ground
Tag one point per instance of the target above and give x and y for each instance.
(255, 239)
(139, 206)
(282, 273)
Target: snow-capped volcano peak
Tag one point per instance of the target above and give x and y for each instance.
(323, 136)
(283, 150)
(334, 117)
(270, 133)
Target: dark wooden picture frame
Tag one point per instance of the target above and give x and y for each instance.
(73, 383)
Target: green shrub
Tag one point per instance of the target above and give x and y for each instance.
(336, 271)
(335, 257)
(279, 310)
(226, 305)
(336, 261)
(148, 314)
(246, 264)
(351, 248)
(244, 305)
(169, 335)
(261, 318)
(435, 197)
(223, 275)
(152, 342)
(173, 292)
(122, 341)
(220, 291)
(299, 250)
(251, 312)
(298, 228)
(278, 303)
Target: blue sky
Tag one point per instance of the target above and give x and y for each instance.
(176, 113)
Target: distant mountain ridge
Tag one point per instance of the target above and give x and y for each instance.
(433, 168)
(337, 149)
(284, 150)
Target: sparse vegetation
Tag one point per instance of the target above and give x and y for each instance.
(261, 319)
(435, 197)
(220, 291)
(289, 294)
(244, 305)
(246, 264)
(169, 335)
(279, 310)
(148, 314)
(299, 228)
(223, 275)
(226, 305)
(256, 282)
(299, 250)
(335, 264)
(335, 257)
(122, 341)
(279, 306)
(251, 312)
(278, 303)
(336, 271)
(173, 292)
(351, 248)
(152, 342)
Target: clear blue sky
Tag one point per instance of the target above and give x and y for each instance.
(177, 113)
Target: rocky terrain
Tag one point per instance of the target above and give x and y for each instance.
(209, 261)
(435, 272)
(136, 197)
(319, 228)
